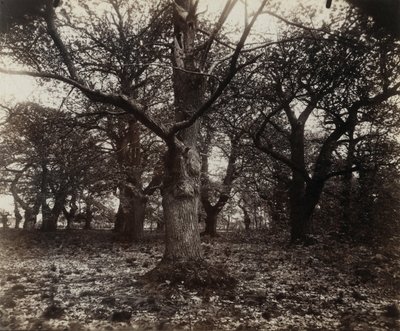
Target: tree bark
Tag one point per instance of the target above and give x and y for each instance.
(299, 223)
(49, 223)
(247, 220)
(30, 213)
(70, 215)
(30, 218)
(305, 195)
(17, 214)
(211, 224)
(246, 216)
(50, 215)
(180, 203)
(213, 210)
(4, 221)
(88, 216)
(181, 189)
(130, 217)
(131, 214)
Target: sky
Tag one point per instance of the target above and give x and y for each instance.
(14, 89)
(23, 88)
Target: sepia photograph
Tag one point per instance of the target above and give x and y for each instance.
(199, 165)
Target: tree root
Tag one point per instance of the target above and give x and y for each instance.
(192, 275)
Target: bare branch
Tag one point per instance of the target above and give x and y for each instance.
(233, 69)
(130, 106)
(270, 151)
(222, 19)
(52, 30)
(223, 43)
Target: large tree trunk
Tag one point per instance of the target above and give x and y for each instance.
(211, 224)
(302, 206)
(70, 215)
(50, 219)
(30, 218)
(5, 221)
(49, 223)
(299, 222)
(181, 191)
(130, 217)
(30, 213)
(180, 203)
(304, 197)
(50, 215)
(131, 214)
(88, 216)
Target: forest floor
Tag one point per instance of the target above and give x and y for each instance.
(76, 280)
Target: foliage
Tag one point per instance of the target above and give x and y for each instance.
(53, 155)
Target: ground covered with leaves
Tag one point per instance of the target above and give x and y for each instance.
(88, 280)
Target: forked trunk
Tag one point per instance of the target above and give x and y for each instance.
(213, 210)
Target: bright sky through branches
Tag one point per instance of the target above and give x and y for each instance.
(23, 88)
(14, 89)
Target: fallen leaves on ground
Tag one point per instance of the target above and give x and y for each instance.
(86, 280)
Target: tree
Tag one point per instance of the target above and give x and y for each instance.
(109, 47)
(375, 189)
(56, 158)
(4, 219)
(210, 191)
(31, 203)
(386, 13)
(182, 163)
(323, 79)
